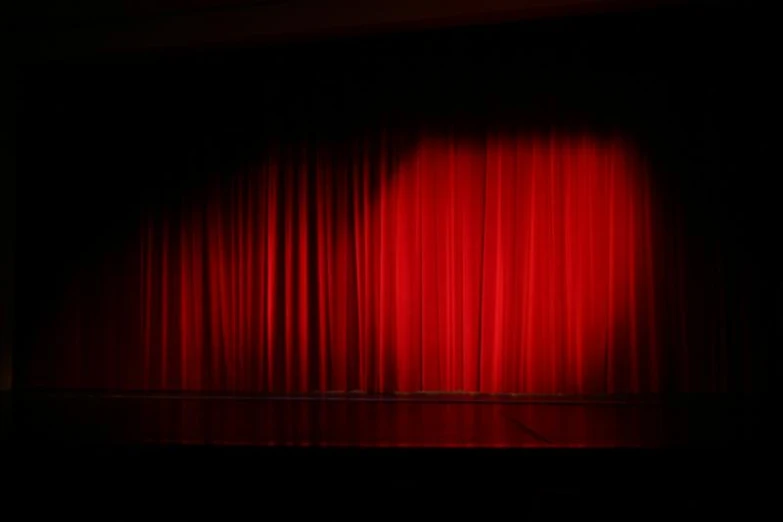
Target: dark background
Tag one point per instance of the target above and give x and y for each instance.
(100, 135)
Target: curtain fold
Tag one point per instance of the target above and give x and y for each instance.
(507, 263)
(502, 262)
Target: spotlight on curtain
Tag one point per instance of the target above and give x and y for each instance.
(501, 263)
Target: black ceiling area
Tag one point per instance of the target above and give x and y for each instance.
(52, 29)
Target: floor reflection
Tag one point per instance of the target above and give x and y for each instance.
(368, 422)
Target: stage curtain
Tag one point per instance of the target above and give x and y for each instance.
(497, 263)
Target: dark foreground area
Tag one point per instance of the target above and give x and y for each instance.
(541, 457)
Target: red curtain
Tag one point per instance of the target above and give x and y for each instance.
(509, 263)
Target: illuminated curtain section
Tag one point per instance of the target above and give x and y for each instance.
(502, 264)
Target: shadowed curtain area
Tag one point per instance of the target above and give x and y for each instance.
(495, 211)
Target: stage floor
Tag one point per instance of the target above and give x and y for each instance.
(404, 421)
(544, 456)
